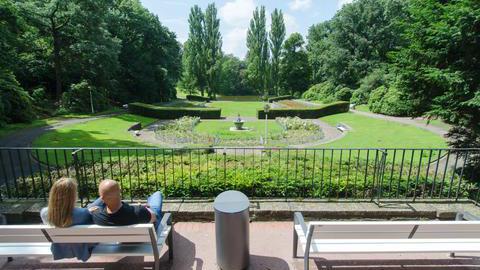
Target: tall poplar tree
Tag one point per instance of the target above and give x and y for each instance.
(213, 49)
(258, 53)
(277, 36)
(195, 49)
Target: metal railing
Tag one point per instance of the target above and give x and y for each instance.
(320, 173)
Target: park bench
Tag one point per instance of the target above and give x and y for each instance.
(341, 127)
(133, 240)
(350, 237)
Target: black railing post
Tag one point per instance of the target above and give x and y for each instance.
(78, 174)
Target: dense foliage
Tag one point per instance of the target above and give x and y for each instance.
(113, 50)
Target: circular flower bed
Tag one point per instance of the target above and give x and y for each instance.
(190, 131)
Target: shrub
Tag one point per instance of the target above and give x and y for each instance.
(173, 112)
(198, 98)
(372, 81)
(273, 99)
(389, 101)
(39, 97)
(296, 123)
(324, 91)
(77, 98)
(344, 94)
(15, 103)
(307, 113)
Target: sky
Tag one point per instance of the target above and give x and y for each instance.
(235, 16)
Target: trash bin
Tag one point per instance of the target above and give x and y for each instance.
(231, 230)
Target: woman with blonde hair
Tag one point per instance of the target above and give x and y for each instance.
(62, 212)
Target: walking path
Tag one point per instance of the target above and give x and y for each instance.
(25, 138)
(405, 120)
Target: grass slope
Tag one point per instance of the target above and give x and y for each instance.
(107, 132)
(370, 132)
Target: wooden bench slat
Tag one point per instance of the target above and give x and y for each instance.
(13, 250)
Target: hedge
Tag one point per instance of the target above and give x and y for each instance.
(270, 100)
(173, 112)
(307, 113)
(198, 98)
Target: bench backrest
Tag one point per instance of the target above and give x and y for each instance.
(395, 229)
(139, 233)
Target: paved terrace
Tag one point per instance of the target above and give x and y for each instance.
(270, 241)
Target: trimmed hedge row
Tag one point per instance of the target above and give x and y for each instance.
(172, 112)
(198, 98)
(270, 100)
(307, 113)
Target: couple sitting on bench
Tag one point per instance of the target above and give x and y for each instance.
(107, 210)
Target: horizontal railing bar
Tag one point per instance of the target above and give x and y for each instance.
(238, 148)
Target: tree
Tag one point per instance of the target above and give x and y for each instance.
(15, 103)
(277, 36)
(258, 53)
(232, 79)
(195, 49)
(438, 69)
(53, 17)
(213, 49)
(149, 57)
(356, 40)
(295, 69)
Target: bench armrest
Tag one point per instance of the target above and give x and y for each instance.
(164, 223)
(466, 216)
(298, 220)
(166, 220)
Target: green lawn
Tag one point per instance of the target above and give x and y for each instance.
(233, 108)
(11, 128)
(221, 129)
(362, 108)
(107, 132)
(371, 132)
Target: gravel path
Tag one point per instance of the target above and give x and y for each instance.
(24, 138)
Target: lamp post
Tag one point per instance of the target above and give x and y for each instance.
(91, 100)
(266, 109)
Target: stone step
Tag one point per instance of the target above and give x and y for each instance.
(27, 212)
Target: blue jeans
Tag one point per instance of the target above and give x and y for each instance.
(155, 202)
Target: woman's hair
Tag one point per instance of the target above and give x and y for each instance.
(61, 202)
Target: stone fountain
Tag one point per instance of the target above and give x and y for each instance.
(239, 122)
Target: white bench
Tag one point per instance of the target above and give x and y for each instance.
(324, 237)
(134, 240)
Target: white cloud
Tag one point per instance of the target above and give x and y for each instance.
(234, 41)
(340, 3)
(291, 24)
(300, 4)
(237, 12)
